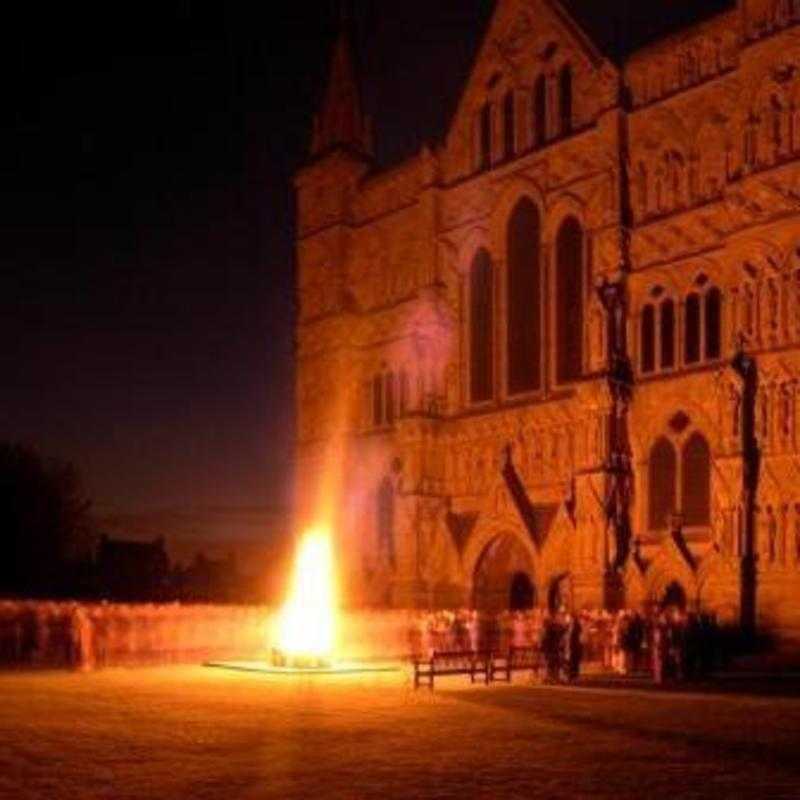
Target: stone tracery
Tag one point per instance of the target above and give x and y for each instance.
(707, 267)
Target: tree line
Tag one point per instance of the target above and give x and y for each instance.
(52, 546)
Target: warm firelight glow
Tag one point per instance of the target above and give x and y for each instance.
(307, 624)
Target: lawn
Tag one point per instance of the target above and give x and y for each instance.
(193, 732)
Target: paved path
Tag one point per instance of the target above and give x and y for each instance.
(201, 733)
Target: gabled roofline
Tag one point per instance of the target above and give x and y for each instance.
(577, 30)
(566, 19)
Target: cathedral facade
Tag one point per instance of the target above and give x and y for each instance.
(555, 358)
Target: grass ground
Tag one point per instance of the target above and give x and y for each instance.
(200, 733)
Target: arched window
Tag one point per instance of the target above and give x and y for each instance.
(539, 111)
(385, 521)
(648, 339)
(524, 293)
(377, 401)
(509, 125)
(569, 300)
(692, 341)
(389, 397)
(667, 334)
(404, 392)
(485, 137)
(696, 481)
(662, 476)
(565, 98)
(713, 323)
(481, 328)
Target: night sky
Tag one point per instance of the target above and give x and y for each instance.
(146, 302)
(146, 297)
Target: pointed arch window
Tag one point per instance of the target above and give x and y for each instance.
(648, 339)
(509, 125)
(696, 481)
(713, 324)
(524, 299)
(481, 328)
(703, 323)
(692, 329)
(404, 393)
(389, 398)
(485, 137)
(662, 479)
(657, 334)
(667, 331)
(539, 111)
(377, 401)
(565, 98)
(569, 300)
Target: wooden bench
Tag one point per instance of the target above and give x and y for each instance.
(517, 659)
(525, 658)
(460, 662)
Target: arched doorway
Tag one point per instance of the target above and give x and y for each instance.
(522, 596)
(503, 576)
(674, 597)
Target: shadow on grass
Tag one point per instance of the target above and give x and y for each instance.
(608, 715)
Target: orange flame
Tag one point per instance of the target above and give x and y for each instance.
(307, 624)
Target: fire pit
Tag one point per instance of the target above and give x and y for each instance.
(306, 635)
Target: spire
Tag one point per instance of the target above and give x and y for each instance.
(340, 122)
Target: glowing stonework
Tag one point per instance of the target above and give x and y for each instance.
(533, 326)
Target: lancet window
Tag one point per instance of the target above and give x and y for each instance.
(679, 485)
(569, 300)
(702, 324)
(509, 125)
(377, 401)
(386, 399)
(484, 137)
(524, 299)
(662, 474)
(540, 111)
(565, 98)
(692, 335)
(648, 339)
(696, 481)
(481, 328)
(405, 391)
(657, 334)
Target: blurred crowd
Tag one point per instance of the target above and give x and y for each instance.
(91, 635)
(670, 644)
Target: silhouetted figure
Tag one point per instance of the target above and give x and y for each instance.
(574, 632)
(632, 640)
(551, 649)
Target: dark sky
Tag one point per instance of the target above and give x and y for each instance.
(146, 302)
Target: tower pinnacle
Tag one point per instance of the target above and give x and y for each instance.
(340, 122)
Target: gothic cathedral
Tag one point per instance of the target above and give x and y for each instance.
(555, 358)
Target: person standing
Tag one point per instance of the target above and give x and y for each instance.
(575, 647)
(659, 649)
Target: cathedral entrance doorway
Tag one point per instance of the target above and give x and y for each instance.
(674, 597)
(503, 577)
(522, 596)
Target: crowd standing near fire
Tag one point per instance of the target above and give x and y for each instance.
(670, 644)
(85, 636)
